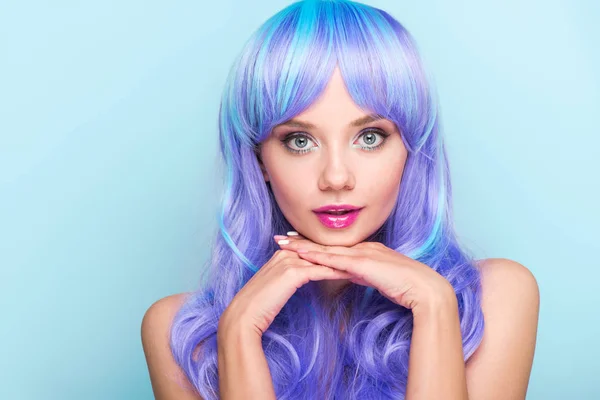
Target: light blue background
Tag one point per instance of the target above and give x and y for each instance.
(108, 187)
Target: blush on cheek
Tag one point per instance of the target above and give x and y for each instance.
(386, 187)
(383, 192)
(290, 201)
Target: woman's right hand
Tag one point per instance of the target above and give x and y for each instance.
(257, 303)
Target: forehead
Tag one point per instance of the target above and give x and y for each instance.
(305, 124)
(334, 105)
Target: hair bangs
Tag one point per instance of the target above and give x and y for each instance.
(292, 66)
(297, 50)
(383, 71)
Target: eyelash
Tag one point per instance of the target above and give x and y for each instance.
(294, 135)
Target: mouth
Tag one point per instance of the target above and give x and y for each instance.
(336, 209)
(337, 217)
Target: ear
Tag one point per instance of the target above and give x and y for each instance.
(261, 164)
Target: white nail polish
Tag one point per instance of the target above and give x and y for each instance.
(292, 233)
(284, 241)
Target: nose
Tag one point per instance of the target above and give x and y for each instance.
(337, 173)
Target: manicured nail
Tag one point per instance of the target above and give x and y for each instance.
(283, 242)
(292, 233)
(279, 237)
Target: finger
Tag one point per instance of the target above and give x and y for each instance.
(290, 236)
(294, 235)
(308, 245)
(343, 262)
(359, 281)
(293, 244)
(321, 272)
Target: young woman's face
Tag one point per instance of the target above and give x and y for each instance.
(327, 156)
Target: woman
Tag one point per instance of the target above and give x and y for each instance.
(336, 272)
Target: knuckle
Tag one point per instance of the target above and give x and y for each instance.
(361, 259)
(289, 254)
(290, 271)
(361, 246)
(282, 253)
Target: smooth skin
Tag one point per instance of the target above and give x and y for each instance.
(339, 169)
(335, 169)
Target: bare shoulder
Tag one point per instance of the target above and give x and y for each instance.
(510, 304)
(504, 275)
(167, 378)
(165, 307)
(508, 289)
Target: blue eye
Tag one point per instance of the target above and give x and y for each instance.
(301, 140)
(370, 137)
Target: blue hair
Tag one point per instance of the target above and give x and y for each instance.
(273, 79)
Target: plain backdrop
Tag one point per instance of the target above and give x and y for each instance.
(109, 191)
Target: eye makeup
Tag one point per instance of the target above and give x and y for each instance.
(286, 139)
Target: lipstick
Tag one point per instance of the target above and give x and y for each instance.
(337, 216)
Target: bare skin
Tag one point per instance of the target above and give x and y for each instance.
(502, 361)
(336, 171)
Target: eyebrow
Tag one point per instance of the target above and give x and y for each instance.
(296, 123)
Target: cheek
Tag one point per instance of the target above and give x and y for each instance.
(384, 182)
(289, 189)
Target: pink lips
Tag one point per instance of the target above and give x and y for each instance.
(337, 221)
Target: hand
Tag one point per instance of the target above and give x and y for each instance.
(257, 303)
(399, 278)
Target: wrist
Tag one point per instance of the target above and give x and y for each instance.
(236, 345)
(441, 303)
(236, 333)
(243, 368)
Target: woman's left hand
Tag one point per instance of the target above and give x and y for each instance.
(399, 278)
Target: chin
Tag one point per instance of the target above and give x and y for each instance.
(340, 238)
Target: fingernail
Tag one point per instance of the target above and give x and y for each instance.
(279, 237)
(292, 233)
(283, 242)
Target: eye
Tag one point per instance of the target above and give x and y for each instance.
(370, 138)
(297, 143)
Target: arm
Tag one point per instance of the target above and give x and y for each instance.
(436, 365)
(243, 369)
(500, 368)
